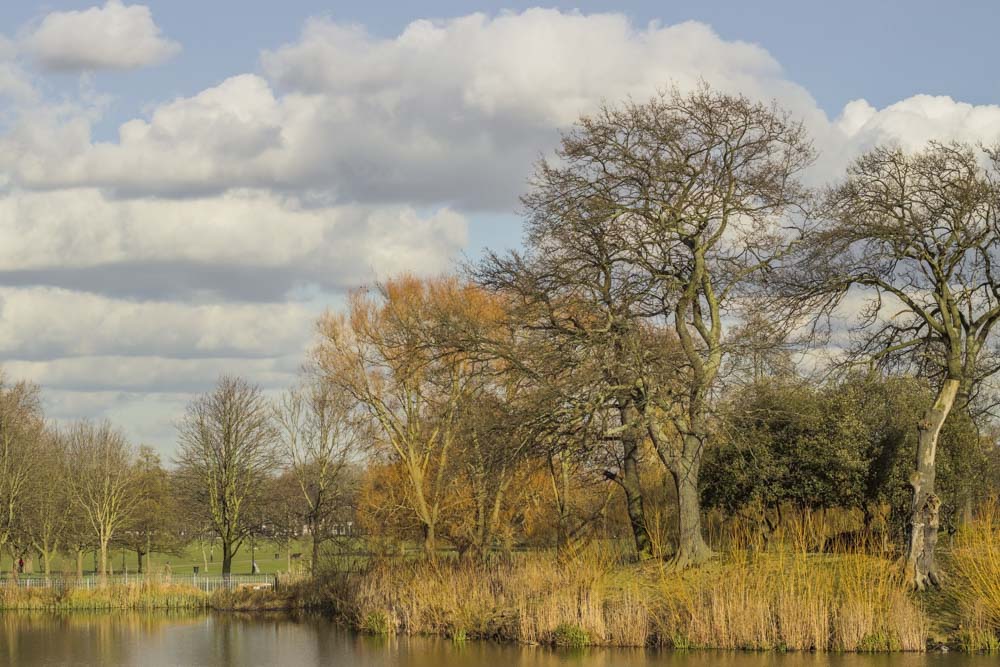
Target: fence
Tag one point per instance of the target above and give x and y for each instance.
(202, 582)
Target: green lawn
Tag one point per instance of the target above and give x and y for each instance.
(264, 550)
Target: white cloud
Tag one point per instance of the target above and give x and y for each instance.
(151, 374)
(137, 269)
(42, 322)
(270, 242)
(115, 36)
(446, 112)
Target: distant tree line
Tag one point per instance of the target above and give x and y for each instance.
(690, 329)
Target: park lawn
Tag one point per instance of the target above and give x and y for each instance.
(191, 557)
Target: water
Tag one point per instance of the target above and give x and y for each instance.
(155, 640)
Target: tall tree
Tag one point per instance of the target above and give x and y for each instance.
(390, 355)
(319, 430)
(102, 480)
(688, 193)
(916, 235)
(21, 433)
(155, 523)
(576, 291)
(227, 450)
(48, 513)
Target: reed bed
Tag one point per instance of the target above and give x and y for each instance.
(117, 596)
(975, 566)
(775, 600)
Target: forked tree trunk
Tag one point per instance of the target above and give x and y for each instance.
(685, 469)
(924, 521)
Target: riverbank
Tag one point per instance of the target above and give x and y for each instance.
(774, 601)
(768, 599)
(778, 600)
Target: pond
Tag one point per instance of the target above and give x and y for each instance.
(153, 640)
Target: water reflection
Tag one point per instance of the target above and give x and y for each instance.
(228, 640)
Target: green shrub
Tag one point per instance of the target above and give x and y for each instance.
(570, 635)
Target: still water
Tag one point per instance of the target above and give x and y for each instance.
(221, 640)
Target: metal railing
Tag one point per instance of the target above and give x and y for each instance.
(206, 583)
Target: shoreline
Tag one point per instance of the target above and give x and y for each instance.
(791, 602)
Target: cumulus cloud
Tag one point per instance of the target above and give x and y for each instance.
(115, 36)
(138, 268)
(42, 322)
(453, 111)
(252, 245)
(446, 113)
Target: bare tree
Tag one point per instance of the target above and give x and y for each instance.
(102, 480)
(916, 236)
(227, 450)
(319, 431)
(47, 511)
(21, 430)
(583, 304)
(674, 207)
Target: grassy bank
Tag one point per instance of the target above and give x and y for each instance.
(132, 596)
(777, 598)
(792, 601)
(974, 560)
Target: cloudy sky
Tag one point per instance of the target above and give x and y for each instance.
(185, 186)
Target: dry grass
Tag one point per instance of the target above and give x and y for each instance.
(975, 565)
(774, 600)
(791, 601)
(127, 596)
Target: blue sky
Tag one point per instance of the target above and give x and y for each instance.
(881, 51)
(184, 186)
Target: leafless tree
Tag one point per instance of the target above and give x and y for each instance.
(319, 430)
(916, 237)
(21, 432)
(102, 480)
(48, 512)
(227, 450)
(675, 207)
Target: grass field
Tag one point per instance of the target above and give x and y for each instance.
(271, 559)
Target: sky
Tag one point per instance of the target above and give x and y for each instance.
(185, 186)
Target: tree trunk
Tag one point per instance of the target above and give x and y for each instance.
(227, 557)
(560, 491)
(138, 555)
(691, 546)
(430, 546)
(315, 551)
(633, 496)
(79, 563)
(104, 561)
(924, 521)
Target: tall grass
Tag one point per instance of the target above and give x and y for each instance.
(791, 601)
(117, 596)
(975, 564)
(767, 600)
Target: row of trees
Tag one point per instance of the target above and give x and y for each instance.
(685, 310)
(247, 465)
